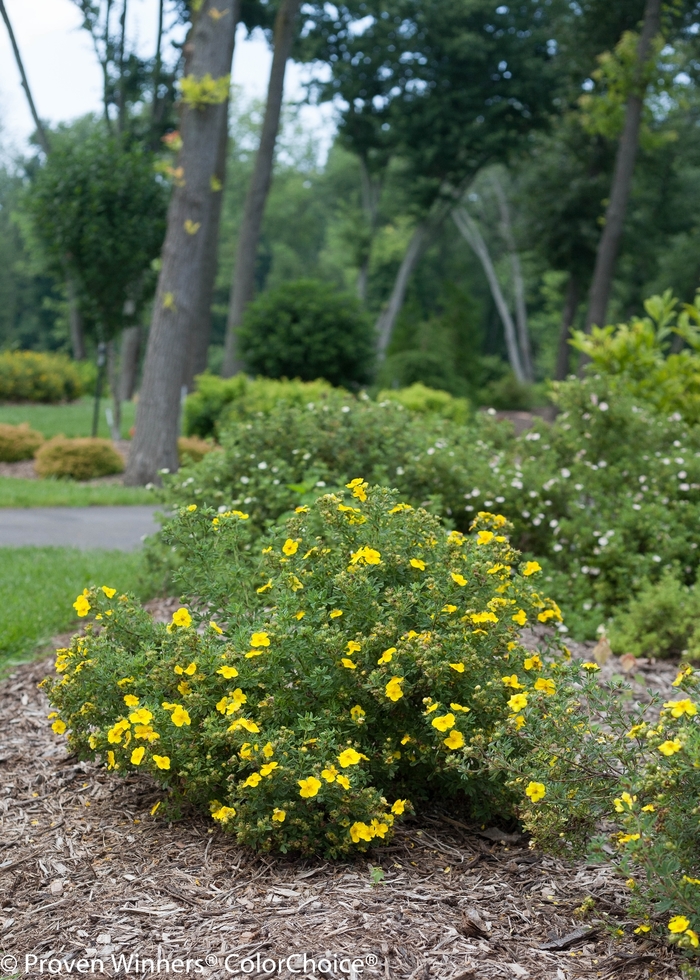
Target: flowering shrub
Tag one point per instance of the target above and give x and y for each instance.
(317, 678)
(625, 783)
(78, 459)
(33, 376)
(18, 442)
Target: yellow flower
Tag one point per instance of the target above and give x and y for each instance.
(400, 508)
(535, 791)
(693, 937)
(124, 681)
(260, 640)
(519, 721)
(162, 761)
(182, 618)
(458, 667)
(111, 763)
(253, 779)
(642, 929)
(180, 716)
(268, 751)
(146, 731)
(484, 537)
(189, 670)
(545, 684)
(533, 662)
(520, 617)
(458, 707)
(670, 747)
(268, 768)
(278, 814)
(300, 614)
(680, 708)
(358, 714)
(457, 578)
(358, 487)
(678, 923)
(227, 672)
(343, 781)
(265, 587)
(290, 547)
(378, 829)
(455, 740)
(367, 555)
(531, 567)
(649, 808)
(141, 717)
(449, 608)
(393, 689)
(223, 814)
(81, 606)
(114, 735)
(249, 726)
(110, 593)
(443, 722)
(387, 655)
(517, 702)
(399, 806)
(329, 774)
(309, 787)
(334, 613)
(626, 838)
(215, 627)
(131, 700)
(417, 563)
(349, 757)
(353, 646)
(590, 665)
(686, 672)
(59, 726)
(360, 831)
(137, 755)
(511, 680)
(346, 662)
(483, 617)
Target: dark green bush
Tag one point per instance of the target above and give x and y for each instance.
(308, 330)
(33, 376)
(663, 620)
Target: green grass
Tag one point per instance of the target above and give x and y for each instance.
(74, 419)
(38, 587)
(64, 493)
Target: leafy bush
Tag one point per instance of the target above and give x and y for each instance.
(617, 782)
(78, 459)
(192, 449)
(663, 620)
(425, 367)
(218, 401)
(31, 376)
(424, 400)
(308, 330)
(355, 657)
(18, 442)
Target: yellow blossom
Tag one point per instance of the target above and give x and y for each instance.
(141, 717)
(253, 779)
(227, 672)
(387, 655)
(223, 814)
(180, 716)
(111, 762)
(349, 757)
(329, 774)
(443, 722)
(124, 681)
(181, 617)
(449, 608)
(265, 587)
(417, 563)
(378, 829)
(530, 567)
(458, 707)
(680, 708)
(400, 508)
(334, 613)
(457, 578)
(246, 723)
(343, 781)
(393, 689)
(534, 790)
(268, 768)
(511, 680)
(399, 806)
(110, 593)
(162, 761)
(277, 814)
(458, 667)
(137, 755)
(370, 556)
(520, 617)
(517, 702)
(268, 751)
(693, 937)
(686, 672)
(533, 662)
(519, 721)
(360, 831)
(670, 746)
(626, 838)
(215, 626)
(590, 665)
(353, 646)
(642, 929)
(260, 640)
(131, 700)
(59, 726)
(358, 714)
(455, 740)
(678, 923)
(309, 787)
(546, 685)
(82, 606)
(650, 808)
(358, 487)
(346, 662)
(484, 537)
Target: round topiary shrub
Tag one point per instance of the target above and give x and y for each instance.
(347, 662)
(308, 330)
(18, 442)
(78, 459)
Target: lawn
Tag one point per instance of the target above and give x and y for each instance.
(71, 420)
(38, 587)
(15, 492)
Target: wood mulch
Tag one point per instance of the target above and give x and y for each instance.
(87, 873)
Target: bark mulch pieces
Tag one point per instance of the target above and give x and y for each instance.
(87, 874)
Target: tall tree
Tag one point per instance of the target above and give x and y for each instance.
(205, 93)
(609, 245)
(243, 284)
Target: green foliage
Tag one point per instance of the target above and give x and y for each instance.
(409, 368)
(349, 663)
(220, 400)
(193, 449)
(30, 376)
(662, 620)
(15, 492)
(38, 584)
(418, 398)
(73, 419)
(78, 459)
(621, 782)
(308, 330)
(18, 442)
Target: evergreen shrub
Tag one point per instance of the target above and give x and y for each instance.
(78, 459)
(18, 442)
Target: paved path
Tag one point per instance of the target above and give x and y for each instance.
(79, 527)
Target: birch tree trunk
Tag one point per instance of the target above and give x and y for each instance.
(564, 348)
(185, 251)
(609, 245)
(469, 230)
(243, 284)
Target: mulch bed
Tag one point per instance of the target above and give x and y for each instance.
(87, 873)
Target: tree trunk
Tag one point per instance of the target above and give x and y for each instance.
(131, 349)
(243, 284)
(468, 228)
(185, 252)
(75, 321)
(370, 191)
(518, 282)
(609, 245)
(115, 389)
(569, 313)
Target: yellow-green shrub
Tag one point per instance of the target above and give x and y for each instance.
(192, 449)
(32, 376)
(78, 459)
(341, 664)
(419, 398)
(18, 442)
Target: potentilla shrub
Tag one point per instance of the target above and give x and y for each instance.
(315, 681)
(35, 376)
(18, 442)
(78, 459)
(619, 784)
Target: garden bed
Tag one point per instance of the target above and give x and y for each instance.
(86, 871)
